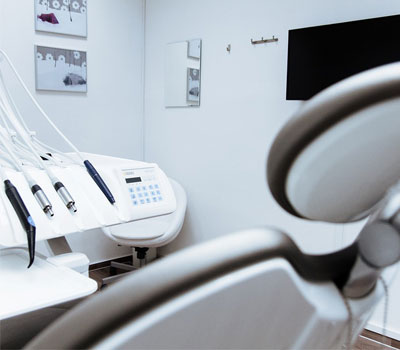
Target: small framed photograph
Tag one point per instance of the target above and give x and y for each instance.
(61, 16)
(60, 69)
(194, 48)
(193, 85)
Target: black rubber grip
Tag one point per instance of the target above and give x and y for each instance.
(23, 216)
(35, 188)
(58, 185)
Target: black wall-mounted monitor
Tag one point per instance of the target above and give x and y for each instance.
(321, 56)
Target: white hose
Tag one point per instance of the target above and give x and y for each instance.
(41, 151)
(15, 159)
(39, 107)
(25, 138)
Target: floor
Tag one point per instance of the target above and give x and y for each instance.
(366, 341)
(372, 341)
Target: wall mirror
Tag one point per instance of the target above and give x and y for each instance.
(182, 74)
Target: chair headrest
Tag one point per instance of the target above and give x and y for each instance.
(336, 158)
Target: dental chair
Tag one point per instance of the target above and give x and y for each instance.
(336, 161)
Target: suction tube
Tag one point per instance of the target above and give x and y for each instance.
(24, 217)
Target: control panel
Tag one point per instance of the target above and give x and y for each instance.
(149, 191)
(143, 185)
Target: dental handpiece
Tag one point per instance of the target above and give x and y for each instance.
(99, 181)
(65, 196)
(24, 217)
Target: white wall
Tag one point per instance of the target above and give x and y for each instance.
(106, 120)
(218, 151)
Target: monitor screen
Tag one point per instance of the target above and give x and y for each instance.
(321, 56)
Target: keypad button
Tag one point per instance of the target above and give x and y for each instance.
(146, 194)
(131, 190)
(138, 189)
(133, 196)
(142, 201)
(140, 195)
(156, 186)
(160, 198)
(144, 188)
(154, 199)
(158, 192)
(153, 193)
(151, 187)
(135, 203)
(148, 200)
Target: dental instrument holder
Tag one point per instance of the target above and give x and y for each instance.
(336, 161)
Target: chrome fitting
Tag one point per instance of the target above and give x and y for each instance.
(65, 196)
(42, 200)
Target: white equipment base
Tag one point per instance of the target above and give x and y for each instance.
(24, 290)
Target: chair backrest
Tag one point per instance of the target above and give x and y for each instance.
(251, 270)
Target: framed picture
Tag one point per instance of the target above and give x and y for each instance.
(194, 48)
(60, 69)
(193, 85)
(61, 16)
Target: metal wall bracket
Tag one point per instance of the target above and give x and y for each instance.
(264, 41)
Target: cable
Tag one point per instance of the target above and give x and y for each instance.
(7, 110)
(385, 308)
(349, 334)
(57, 184)
(39, 107)
(41, 152)
(37, 192)
(89, 167)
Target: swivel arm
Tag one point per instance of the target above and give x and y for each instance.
(378, 246)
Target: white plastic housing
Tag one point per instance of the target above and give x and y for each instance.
(94, 210)
(23, 290)
(76, 261)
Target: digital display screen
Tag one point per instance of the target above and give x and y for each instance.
(321, 56)
(133, 180)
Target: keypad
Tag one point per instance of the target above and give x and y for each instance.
(145, 194)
